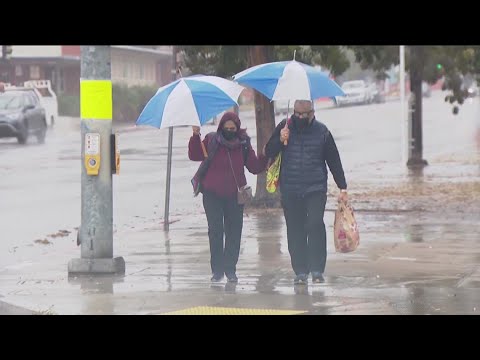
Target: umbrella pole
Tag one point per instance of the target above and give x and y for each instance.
(166, 222)
(286, 122)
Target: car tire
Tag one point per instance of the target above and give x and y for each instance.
(22, 137)
(42, 133)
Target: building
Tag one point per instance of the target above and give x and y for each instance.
(142, 65)
(131, 65)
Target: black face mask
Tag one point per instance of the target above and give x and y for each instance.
(300, 122)
(229, 135)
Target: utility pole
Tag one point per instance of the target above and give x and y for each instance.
(417, 63)
(96, 229)
(166, 220)
(5, 60)
(403, 119)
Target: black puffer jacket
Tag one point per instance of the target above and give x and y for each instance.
(305, 157)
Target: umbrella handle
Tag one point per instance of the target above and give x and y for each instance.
(285, 143)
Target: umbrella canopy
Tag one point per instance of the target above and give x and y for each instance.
(191, 100)
(289, 80)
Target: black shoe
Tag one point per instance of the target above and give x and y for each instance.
(301, 279)
(317, 277)
(216, 277)
(232, 278)
(230, 287)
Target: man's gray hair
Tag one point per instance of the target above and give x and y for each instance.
(301, 102)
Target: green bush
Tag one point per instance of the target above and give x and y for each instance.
(128, 102)
(69, 105)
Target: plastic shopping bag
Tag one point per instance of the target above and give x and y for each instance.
(345, 229)
(273, 174)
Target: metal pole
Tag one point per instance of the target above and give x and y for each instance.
(166, 221)
(95, 233)
(5, 75)
(403, 119)
(169, 175)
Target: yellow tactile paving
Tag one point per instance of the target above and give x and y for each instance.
(214, 310)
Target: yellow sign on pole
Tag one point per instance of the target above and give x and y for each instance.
(96, 99)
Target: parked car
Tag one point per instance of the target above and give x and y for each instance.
(356, 92)
(45, 94)
(47, 97)
(378, 95)
(21, 115)
(281, 107)
(426, 90)
(469, 84)
(473, 90)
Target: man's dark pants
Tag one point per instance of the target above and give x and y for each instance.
(307, 243)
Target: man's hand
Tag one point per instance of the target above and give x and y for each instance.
(284, 134)
(343, 196)
(196, 130)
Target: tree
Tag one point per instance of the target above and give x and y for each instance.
(225, 61)
(332, 57)
(265, 122)
(425, 63)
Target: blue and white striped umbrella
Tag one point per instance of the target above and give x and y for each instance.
(289, 80)
(191, 100)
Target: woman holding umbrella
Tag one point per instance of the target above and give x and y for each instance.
(229, 151)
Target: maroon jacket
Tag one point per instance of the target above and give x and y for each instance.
(219, 178)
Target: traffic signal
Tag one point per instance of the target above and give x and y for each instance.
(439, 66)
(6, 51)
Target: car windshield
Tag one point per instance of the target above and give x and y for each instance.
(8, 102)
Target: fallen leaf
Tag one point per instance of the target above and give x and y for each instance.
(43, 241)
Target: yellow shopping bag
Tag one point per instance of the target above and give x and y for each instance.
(273, 174)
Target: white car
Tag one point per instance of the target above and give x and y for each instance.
(48, 98)
(45, 94)
(281, 107)
(356, 92)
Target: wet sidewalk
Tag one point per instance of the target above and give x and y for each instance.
(407, 263)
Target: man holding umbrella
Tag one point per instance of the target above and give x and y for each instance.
(307, 146)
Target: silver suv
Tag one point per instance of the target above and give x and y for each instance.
(21, 115)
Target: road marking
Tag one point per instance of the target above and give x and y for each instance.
(215, 310)
(401, 258)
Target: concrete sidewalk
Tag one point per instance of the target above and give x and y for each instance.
(401, 267)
